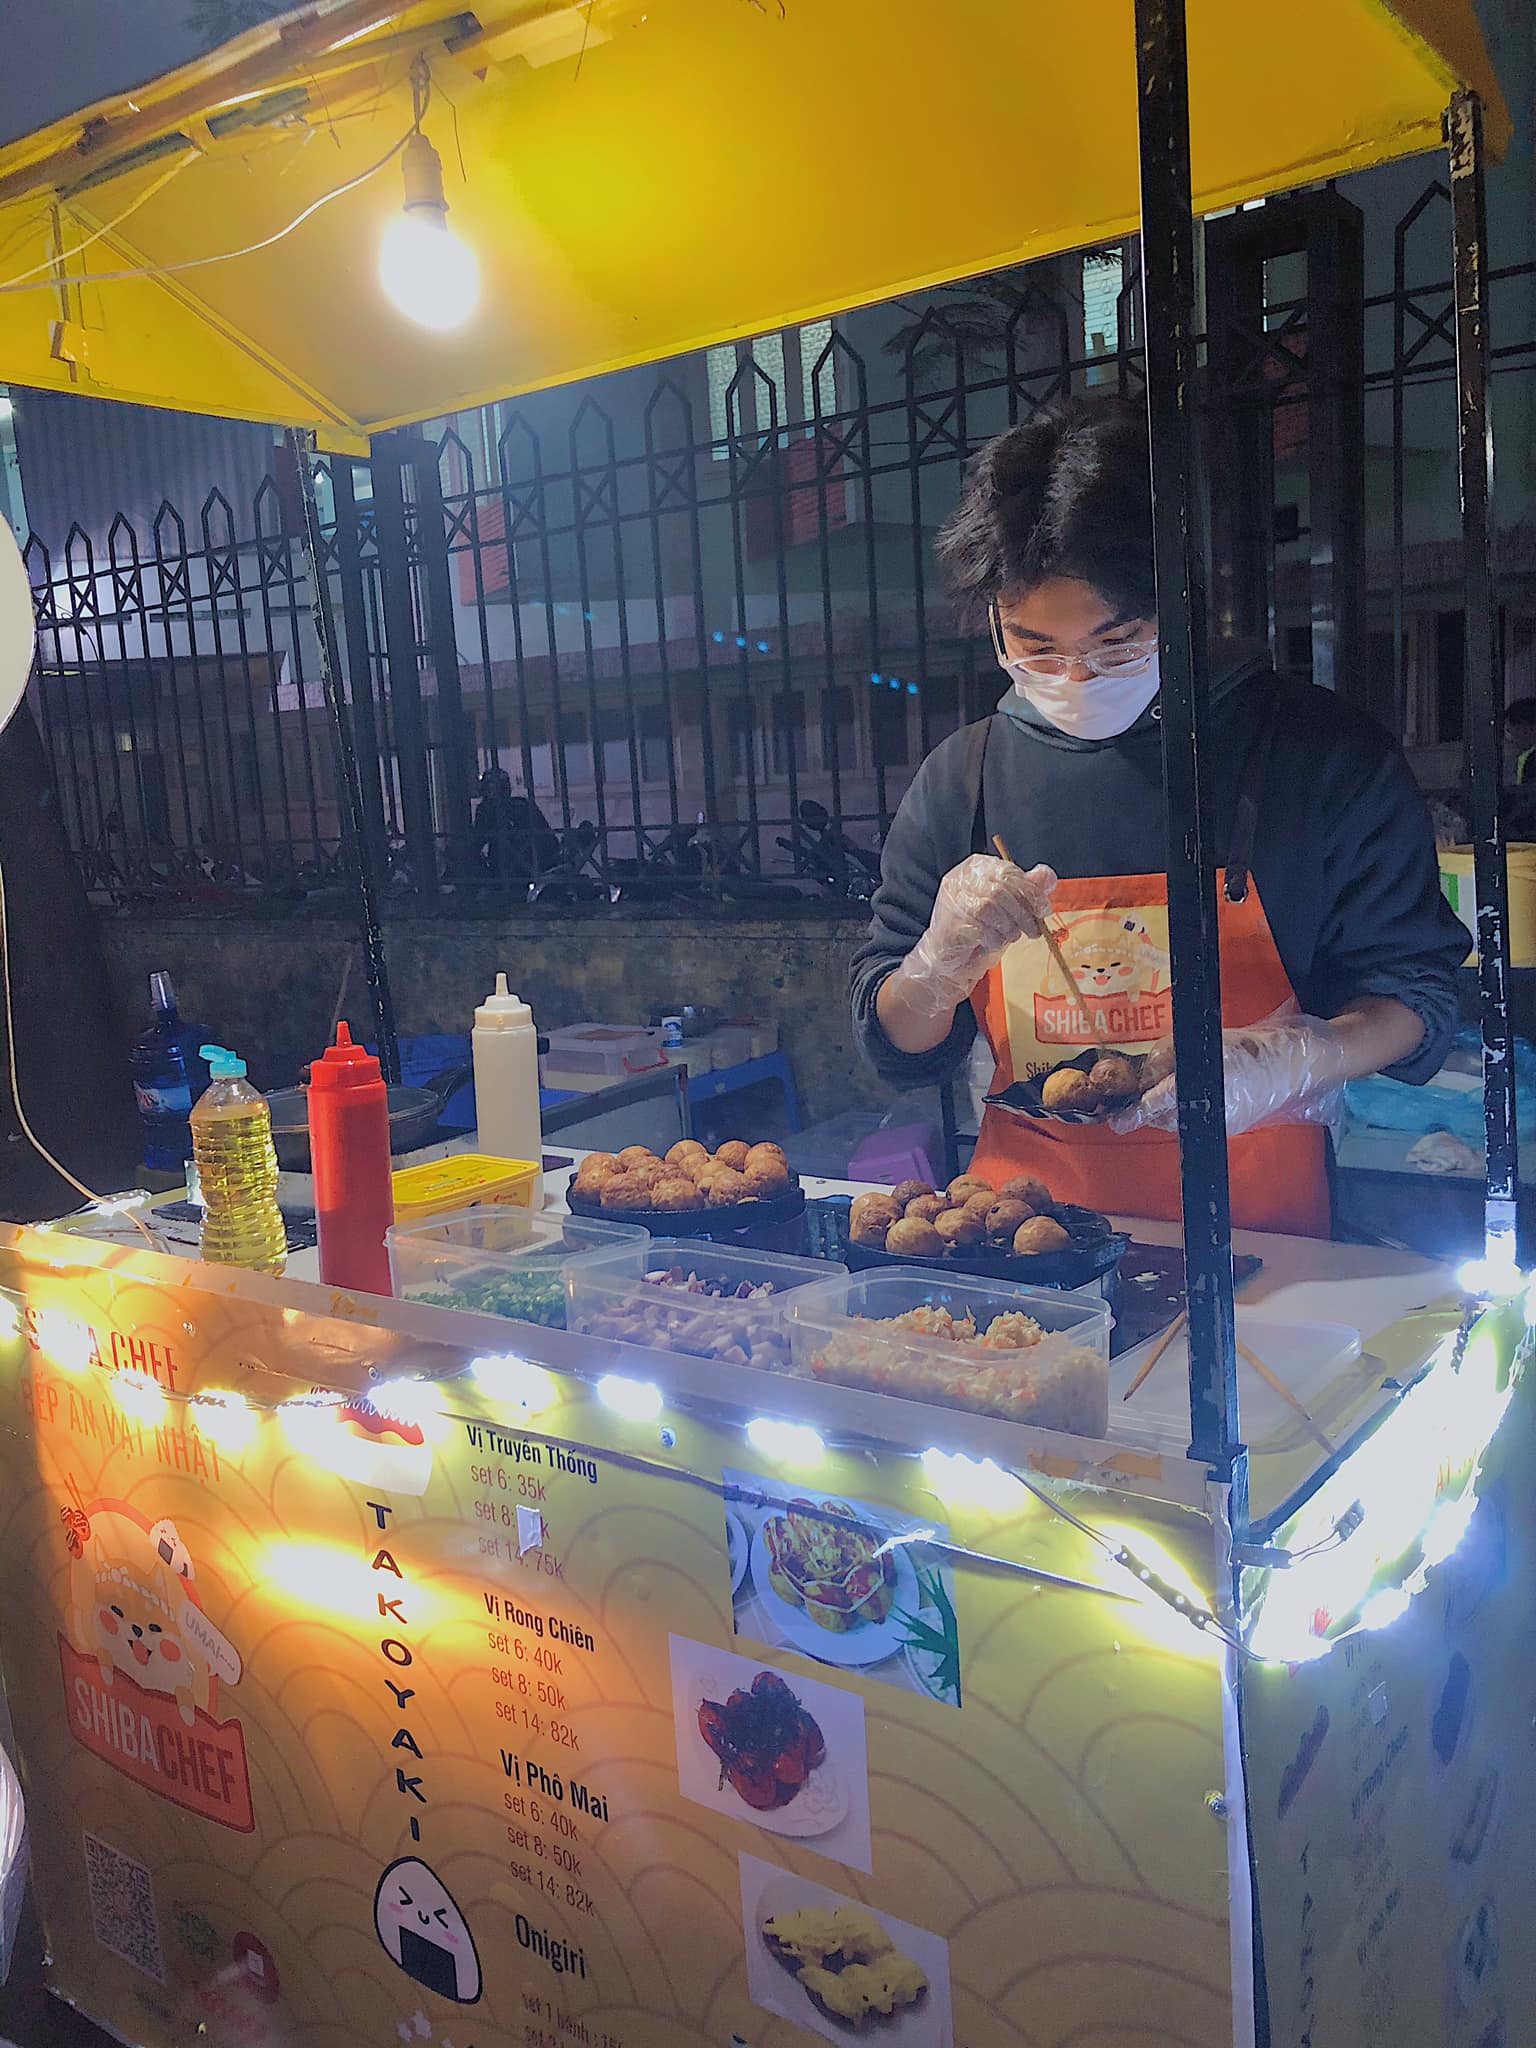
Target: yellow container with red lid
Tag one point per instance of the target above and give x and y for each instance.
(464, 1180)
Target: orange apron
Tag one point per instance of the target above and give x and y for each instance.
(1115, 937)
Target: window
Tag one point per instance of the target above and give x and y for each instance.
(1103, 280)
(655, 743)
(939, 707)
(888, 723)
(785, 361)
(1450, 674)
(788, 732)
(739, 727)
(838, 739)
(576, 748)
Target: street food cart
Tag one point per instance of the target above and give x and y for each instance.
(383, 1671)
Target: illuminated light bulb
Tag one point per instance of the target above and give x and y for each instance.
(138, 1395)
(228, 1420)
(1385, 1607)
(427, 273)
(1498, 1276)
(1447, 1526)
(786, 1443)
(64, 1342)
(515, 1382)
(981, 1482)
(636, 1400)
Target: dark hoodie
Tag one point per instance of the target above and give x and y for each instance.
(1344, 858)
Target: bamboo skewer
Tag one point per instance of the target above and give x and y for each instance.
(1157, 1351)
(1047, 928)
(1251, 1359)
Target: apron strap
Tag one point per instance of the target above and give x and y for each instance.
(1245, 822)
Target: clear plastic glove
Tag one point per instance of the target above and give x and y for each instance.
(1290, 1069)
(982, 907)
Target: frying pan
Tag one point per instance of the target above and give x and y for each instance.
(413, 1115)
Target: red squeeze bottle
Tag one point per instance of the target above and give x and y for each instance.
(349, 1152)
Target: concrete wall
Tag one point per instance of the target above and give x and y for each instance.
(271, 989)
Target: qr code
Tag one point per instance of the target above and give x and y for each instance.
(123, 1907)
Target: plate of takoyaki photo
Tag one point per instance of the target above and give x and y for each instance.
(1016, 1231)
(691, 1189)
(1089, 1089)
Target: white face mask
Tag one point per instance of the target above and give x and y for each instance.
(1099, 709)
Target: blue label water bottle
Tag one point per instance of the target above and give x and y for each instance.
(168, 1076)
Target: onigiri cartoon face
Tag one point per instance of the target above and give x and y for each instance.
(424, 1931)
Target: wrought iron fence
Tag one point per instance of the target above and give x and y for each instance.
(686, 642)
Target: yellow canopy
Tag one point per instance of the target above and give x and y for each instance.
(642, 179)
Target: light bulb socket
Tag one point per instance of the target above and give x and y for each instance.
(423, 169)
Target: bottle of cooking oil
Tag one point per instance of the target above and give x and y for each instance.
(237, 1169)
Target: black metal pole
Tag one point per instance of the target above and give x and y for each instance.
(1168, 294)
(355, 834)
(1485, 683)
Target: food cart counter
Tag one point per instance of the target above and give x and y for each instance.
(716, 1702)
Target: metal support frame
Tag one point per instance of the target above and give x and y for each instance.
(403, 659)
(1168, 289)
(1485, 682)
(355, 829)
(1248, 401)
(442, 644)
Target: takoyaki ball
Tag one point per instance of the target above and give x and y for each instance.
(913, 1238)
(908, 1191)
(978, 1204)
(1026, 1189)
(687, 1153)
(766, 1172)
(1039, 1235)
(927, 1208)
(870, 1228)
(1113, 1079)
(650, 1172)
(873, 1204)
(734, 1153)
(673, 1197)
(727, 1189)
(627, 1191)
(964, 1185)
(959, 1228)
(598, 1162)
(1004, 1218)
(766, 1157)
(1069, 1089)
(637, 1155)
(594, 1174)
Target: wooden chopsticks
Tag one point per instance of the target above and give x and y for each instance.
(1048, 929)
(1251, 1359)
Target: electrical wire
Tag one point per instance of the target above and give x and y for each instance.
(31, 1136)
(223, 255)
(68, 255)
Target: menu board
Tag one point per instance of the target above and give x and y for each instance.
(371, 1709)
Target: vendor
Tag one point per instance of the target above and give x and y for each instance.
(1338, 951)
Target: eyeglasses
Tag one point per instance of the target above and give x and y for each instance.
(1129, 658)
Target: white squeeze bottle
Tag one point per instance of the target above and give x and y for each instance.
(506, 1051)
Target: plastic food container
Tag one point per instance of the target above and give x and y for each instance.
(465, 1180)
(505, 1261)
(841, 1332)
(610, 1052)
(629, 1309)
